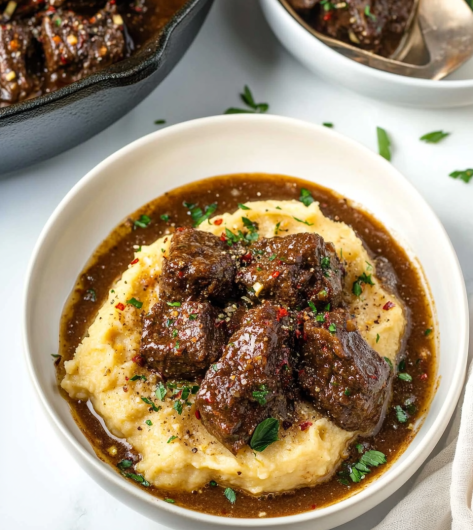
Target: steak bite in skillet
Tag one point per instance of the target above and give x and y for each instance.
(253, 379)
(15, 83)
(292, 270)
(181, 341)
(199, 267)
(347, 380)
(75, 46)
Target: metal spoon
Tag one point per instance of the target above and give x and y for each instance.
(438, 41)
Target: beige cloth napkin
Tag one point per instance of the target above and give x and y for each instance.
(442, 496)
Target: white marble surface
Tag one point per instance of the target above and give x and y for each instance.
(41, 485)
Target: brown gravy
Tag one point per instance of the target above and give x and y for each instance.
(116, 252)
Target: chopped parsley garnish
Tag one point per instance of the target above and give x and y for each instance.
(320, 318)
(230, 495)
(90, 295)
(213, 484)
(368, 460)
(249, 224)
(159, 122)
(169, 321)
(243, 207)
(178, 407)
(402, 365)
(260, 395)
(410, 407)
(55, 355)
(198, 216)
(151, 404)
(135, 302)
(272, 257)
(142, 222)
(363, 279)
(276, 228)
(137, 478)
(136, 377)
(332, 328)
(368, 12)
(347, 392)
(125, 464)
(360, 448)
(434, 137)
(174, 304)
(214, 367)
(164, 217)
(195, 389)
(304, 222)
(328, 124)
(248, 100)
(193, 316)
(384, 144)
(306, 197)
(428, 331)
(405, 377)
(400, 414)
(377, 338)
(325, 263)
(149, 423)
(174, 333)
(171, 501)
(185, 393)
(160, 391)
(466, 175)
(172, 439)
(312, 306)
(265, 434)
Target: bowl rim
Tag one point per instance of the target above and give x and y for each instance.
(362, 69)
(401, 471)
(148, 57)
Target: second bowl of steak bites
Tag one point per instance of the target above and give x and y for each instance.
(346, 378)
(252, 381)
(293, 269)
(181, 340)
(199, 267)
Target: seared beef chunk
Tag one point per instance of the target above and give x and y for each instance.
(233, 316)
(75, 46)
(292, 270)
(252, 381)
(181, 341)
(374, 25)
(199, 267)
(15, 84)
(346, 378)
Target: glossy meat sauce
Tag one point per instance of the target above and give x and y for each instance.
(394, 268)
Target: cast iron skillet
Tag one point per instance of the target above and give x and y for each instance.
(37, 129)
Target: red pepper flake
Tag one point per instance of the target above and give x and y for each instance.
(218, 222)
(120, 306)
(197, 414)
(112, 2)
(136, 260)
(247, 257)
(223, 237)
(304, 426)
(298, 333)
(327, 16)
(424, 376)
(314, 506)
(126, 378)
(275, 274)
(180, 274)
(125, 389)
(180, 229)
(281, 313)
(388, 305)
(139, 360)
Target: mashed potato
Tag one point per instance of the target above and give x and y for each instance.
(176, 450)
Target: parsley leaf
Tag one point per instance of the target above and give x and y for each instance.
(135, 302)
(230, 495)
(137, 478)
(142, 222)
(243, 207)
(198, 217)
(172, 439)
(400, 414)
(405, 377)
(312, 306)
(164, 217)
(125, 464)
(368, 12)
(306, 197)
(248, 100)
(149, 423)
(151, 404)
(160, 122)
(265, 434)
(364, 278)
(171, 501)
(260, 395)
(434, 137)
(465, 175)
(428, 331)
(160, 391)
(384, 144)
(136, 377)
(177, 407)
(327, 124)
(174, 304)
(362, 467)
(304, 222)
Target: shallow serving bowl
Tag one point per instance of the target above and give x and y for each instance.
(221, 145)
(39, 128)
(454, 91)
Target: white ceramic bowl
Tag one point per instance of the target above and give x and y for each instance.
(456, 91)
(215, 146)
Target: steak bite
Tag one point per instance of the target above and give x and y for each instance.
(346, 378)
(15, 83)
(199, 267)
(252, 381)
(75, 46)
(292, 270)
(181, 341)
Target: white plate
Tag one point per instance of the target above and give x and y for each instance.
(456, 91)
(231, 144)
